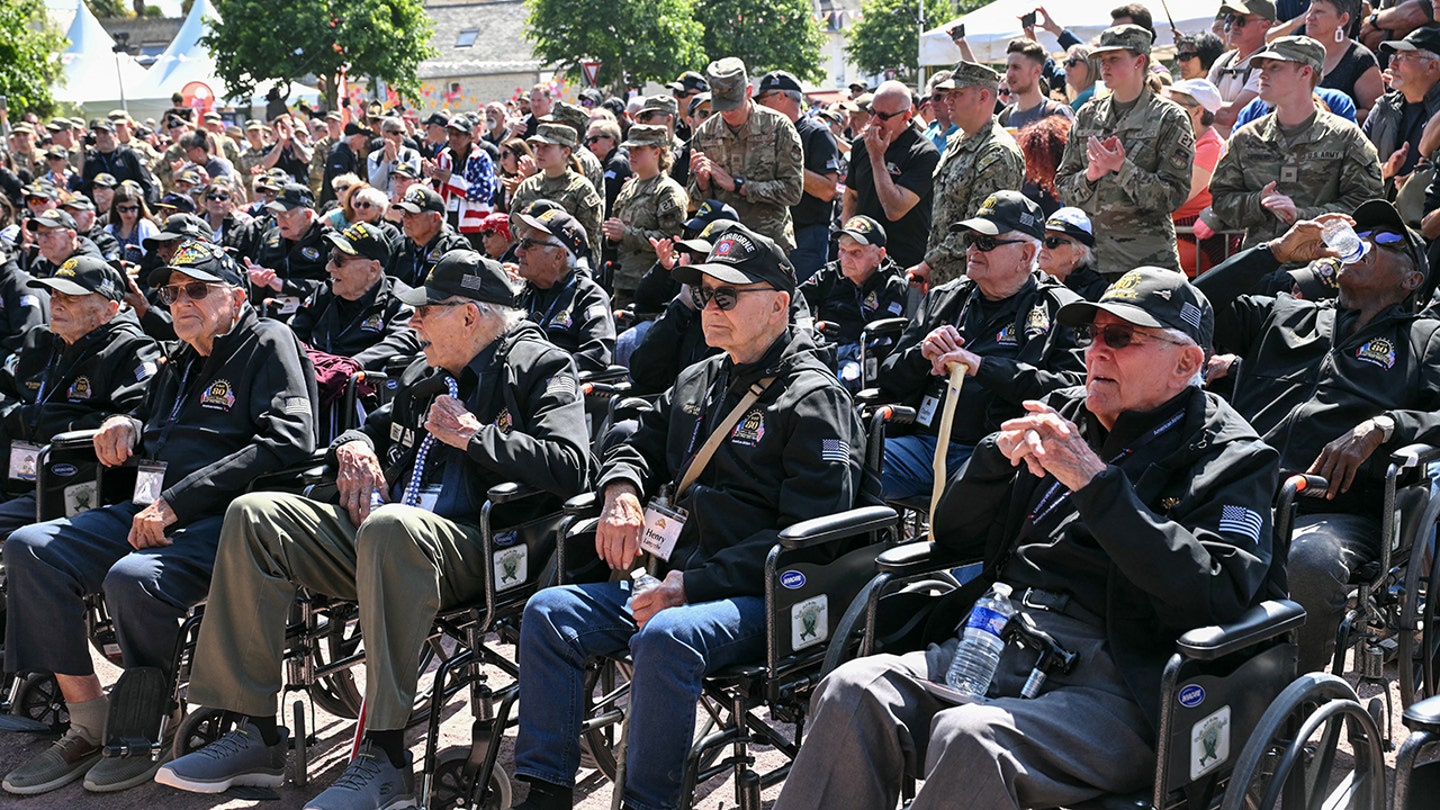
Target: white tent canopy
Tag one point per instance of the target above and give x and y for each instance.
(93, 71)
(989, 29)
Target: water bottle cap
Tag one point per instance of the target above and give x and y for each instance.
(638, 574)
(1001, 590)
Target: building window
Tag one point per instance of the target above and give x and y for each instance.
(467, 37)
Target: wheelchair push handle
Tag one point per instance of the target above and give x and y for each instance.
(1021, 628)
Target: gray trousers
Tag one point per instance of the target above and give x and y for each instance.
(1324, 550)
(874, 723)
(403, 565)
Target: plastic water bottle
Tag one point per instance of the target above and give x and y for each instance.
(980, 644)
(640, 582)
(1340, 237)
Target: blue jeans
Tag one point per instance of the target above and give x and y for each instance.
(812, 250)
(564, 626)
(909, 467)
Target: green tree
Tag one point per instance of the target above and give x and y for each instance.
(29, 43)
(109, 8)
(887, 35)
(767, 34)
(648, 40)
(382, 39)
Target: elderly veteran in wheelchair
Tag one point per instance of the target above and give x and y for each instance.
(769, 438)
(492, 402)
(234, 400)
(1122, 515)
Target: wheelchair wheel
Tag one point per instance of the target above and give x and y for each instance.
(1419, 650)
(607, 687)
(452, 785)
(1291, 759)
(338, 694)
(201, 727)
(39, 699)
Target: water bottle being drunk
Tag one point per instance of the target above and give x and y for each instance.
(1341, 238)
(640, 582)
(978, 655)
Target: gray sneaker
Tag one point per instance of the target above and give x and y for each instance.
(111, 774)
(66, 760)
(239, 758)
(370, 783)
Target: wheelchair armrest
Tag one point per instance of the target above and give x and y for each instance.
(896, 414)
(609, 374)
(1413, 455)
(867, 396)
(885, 326)
(510, 491)
(911, 559)
(73, 439)
(586, 504)
(632, 407)
(1264, 621)
(827, 328)
(821, 530)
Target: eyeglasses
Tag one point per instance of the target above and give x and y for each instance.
(339, 258)
(1236, 21)
(1115, 335)
(985, 243)
(431, 310)
(340, 190)
(37, 200)
(594, 138)
(1186, 56)
(362, 205)
(217, 197)
(127, 209)
(1385, 239)
(1075, 62)
(888, 116)
(702, 114)
(1053, 242)
(725, 297)
(528, 243)
(194, 290)
(394, 132)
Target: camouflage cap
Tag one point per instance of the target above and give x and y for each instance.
(1263, 8)
(728, 82)
(560, 134)
(1301, 50)
(860, 103)
(970, 74)
(1126, 37)
(663, 104)
(646, 135)
(568, 114)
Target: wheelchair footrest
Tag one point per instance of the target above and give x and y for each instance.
(138, 704)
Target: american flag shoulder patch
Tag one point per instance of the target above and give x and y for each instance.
(297, 406)
(562, 385)
(1240, 520)
(835, 450)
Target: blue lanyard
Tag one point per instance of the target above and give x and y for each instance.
(1046, 505)
(411, 496)
(175, 411)
(543, 322)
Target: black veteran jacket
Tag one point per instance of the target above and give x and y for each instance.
(219, 421)
(524, 392)
(833, 297)
(575, 315)
(371, 329)
(21, 308)
(1026, 355)
(795, 455)
(1306, 377)
(299, 264)
(412, 263)
(1180, 527)
(49, 387)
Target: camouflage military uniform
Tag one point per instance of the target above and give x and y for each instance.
(766, 152)
(163, 172)
(574, 193)
(250, 159)
(228, 149)
(319, 153)
(972, 168)
(593, 171)
(1328, 166)
(650, 209)
(1131, 209)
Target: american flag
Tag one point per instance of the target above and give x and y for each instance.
(835, 450)
(1239, 520)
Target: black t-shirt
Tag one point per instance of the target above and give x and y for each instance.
(1356, 61)
(911, 160)
(822, 156)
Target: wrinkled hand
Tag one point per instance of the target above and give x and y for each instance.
(262, 277)
(669, 593)
(664, 252)
(1395, 161)
(147, 528)
(918, 274)
(941, 340)
(940, 366)
(451, 423)
(877, 142)
(115, 441)
(1339, 460)
(1281, 205)
(1048, 443)
(359, 476)
(1218, 367)
(1104, 156)
(1303, 242)
(135, 298)
(617, 538)
(613, 229)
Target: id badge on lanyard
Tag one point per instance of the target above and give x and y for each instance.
(24, 458)
(149, 482)
(663, 524)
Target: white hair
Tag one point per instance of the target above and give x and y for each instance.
(1176, 336)
(509, 317)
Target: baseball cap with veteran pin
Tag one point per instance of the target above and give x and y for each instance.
(690, 82)
(558, 134)
(970, 74)
(1301, 50)
(728, 81)
(361, 239)
(1006, 211)
(1074, 223)
(778, 80)
(864, 230)
(741, 256)
(419, 199)
(1153, 297)
(704, 242)
(1126, 37)
(181, 226)
(463, 273)
(84, 275)
(54, 218)
(201, 261)
(558, 223)
(708, 212)
(1262, 8)
(1424, 38)
(292, 196)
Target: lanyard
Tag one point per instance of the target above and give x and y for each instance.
(175, 411)
(1047, 505)
(704, 417)
(411, 495)
(554, 303)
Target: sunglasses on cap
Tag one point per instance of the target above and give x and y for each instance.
(725, 297)
(985, 243)
(194, 290)
(1053, 242)
(527, 243)
(1115, 335)
(1385, 239)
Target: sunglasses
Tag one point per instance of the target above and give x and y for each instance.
(1115, 335)
(594, 138)
(194, 290)
(1185, 56)
(725, 297)
(431, 310)
(1074, 62)
(527, 243)
(1236, 21)
(127, 209)
(1053, 242)
(394, 132)
(888, 116)
(985, 243)
(1385, 239)
(701, 114)
(362, 205)
(217, 197)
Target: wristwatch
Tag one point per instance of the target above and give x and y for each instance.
(1386, 423)
(1374, 21)
(740, 186)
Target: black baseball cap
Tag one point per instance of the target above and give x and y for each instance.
(464, 273)
(742, 256)
(708, 212)
(419, 198)
(179, 202)
(202, 261)
(558, 223)
(352, 129)
(1381, 213)
(778, 80)
(864, 230)
(292, 196)
(460, 123)
(1006, 211)
(1424, 38)
(361, 239)
(690, 82)
(181, 226)
(437, 119)
(54, 218)
(705, 241)
(84, 275)
(1153, 297)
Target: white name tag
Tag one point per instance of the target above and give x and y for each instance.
(289, 304)
(23, 458)
(927, 410)
(428, 496)
(149, 482)
(662, 528)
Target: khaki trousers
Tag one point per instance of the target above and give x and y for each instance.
(403, 565)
